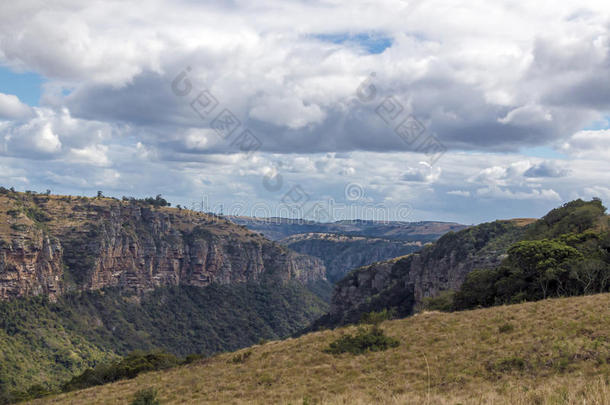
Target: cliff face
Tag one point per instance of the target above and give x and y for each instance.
(403, 282)
(52, 244)
(341, 253)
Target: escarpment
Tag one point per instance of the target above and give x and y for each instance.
(54, 244)
(403, 282)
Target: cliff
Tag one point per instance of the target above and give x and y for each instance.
(403, 282)
(342, 253)
(54, 244)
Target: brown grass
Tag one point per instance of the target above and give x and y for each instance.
(548, 352)
(523, 221)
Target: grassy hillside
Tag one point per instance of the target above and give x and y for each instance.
(554, 351)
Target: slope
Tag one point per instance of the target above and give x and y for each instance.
(546, 352)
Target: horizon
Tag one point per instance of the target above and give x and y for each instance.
(269, 219)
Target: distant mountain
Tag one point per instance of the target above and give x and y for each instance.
(346, 245)
(567, 252)
(281, 228)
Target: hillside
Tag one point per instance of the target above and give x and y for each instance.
(281, 228)
(547, 352)
(342, 253)
(567, 252)
(85, 280)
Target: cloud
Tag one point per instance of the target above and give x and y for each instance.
(293, 79)
(588, 143)
(423, 173)
(493, 80)
(460, 193)
(502, 193)
(546, 169)
(50, 134)
(12, 108)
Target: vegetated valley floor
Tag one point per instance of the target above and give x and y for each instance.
(555, 351)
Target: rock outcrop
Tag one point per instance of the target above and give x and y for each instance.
(53, 244)
(403, 282)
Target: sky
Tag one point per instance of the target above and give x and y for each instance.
(465, 111)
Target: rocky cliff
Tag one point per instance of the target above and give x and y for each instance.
(403, 282)
(342, 253)
(53, 244)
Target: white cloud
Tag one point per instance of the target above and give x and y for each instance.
(12, 108)
(503, 193)
(94, 155)
(460, 193)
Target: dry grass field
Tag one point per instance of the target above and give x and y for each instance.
(555, 351)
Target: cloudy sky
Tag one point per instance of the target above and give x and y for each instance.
(424, 109)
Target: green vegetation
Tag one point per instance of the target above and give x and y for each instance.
(157, 201)
(46, 343)
(375, 318)
(573, 217)
(129, 367)
(443, 301)
(365, 340)
(369, 338)
(575, 262)
(147, 396)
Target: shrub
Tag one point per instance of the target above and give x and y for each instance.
(375, 318)
(146, 396)
(365, 340)
(442, 302)
(129, 367)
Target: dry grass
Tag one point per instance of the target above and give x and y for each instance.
(66, 214)
(523, 221)
(549, 352)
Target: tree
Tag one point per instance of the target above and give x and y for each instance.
(100, 194)
(542, 262)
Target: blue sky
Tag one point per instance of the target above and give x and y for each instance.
(27, 86)
(370, 43)
(491, 113)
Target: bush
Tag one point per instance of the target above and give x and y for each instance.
(442, 302)
(158, 201)
(375, 318)
(146, 396)
(365, 340)
(129, 367)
